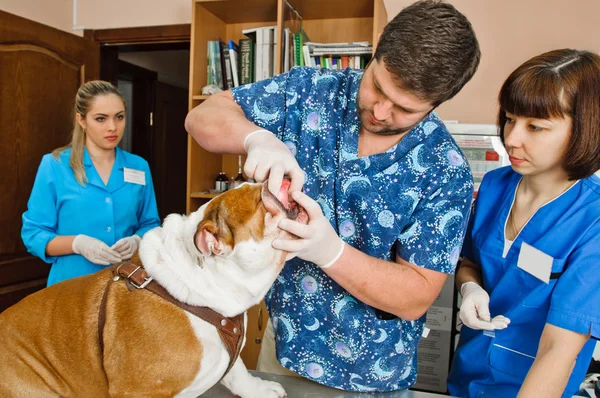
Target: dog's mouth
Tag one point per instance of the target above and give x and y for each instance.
(283, 203)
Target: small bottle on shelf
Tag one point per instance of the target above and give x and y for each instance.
(221, 182)
(239, 179)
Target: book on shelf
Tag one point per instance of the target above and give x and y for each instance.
(214, 71)
(255, 34)
(298, 40)
(221, 49)
(234, 62)
(268, 52)
(286, 50)
(308, 61)
(293, 52)
(246, 61)
(228, 69)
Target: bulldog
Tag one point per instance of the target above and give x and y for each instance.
(107, 334)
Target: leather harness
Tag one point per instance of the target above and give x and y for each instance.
(231, 330)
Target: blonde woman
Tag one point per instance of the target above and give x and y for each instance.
(91, 201)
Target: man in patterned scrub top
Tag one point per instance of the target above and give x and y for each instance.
(387, 190)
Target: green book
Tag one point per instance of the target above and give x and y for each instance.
(246, 61)
(298, 50)
(299, 40)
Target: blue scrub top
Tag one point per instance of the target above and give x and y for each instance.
(567, 229)
(59, 206)
(411, 201)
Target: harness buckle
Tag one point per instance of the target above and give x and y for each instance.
(134, 284)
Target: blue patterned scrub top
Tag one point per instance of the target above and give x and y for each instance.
(411, 201)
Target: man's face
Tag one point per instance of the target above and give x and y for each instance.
(384, 108)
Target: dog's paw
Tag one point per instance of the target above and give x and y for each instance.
(265, 389)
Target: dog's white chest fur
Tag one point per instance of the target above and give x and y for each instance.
(229, 284)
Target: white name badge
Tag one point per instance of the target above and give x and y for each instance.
(535, 262)
(134, 176)
(489, 333)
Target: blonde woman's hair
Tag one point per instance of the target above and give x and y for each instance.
(86, 95)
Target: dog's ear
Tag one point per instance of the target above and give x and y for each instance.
(205, 239)
(213, 235)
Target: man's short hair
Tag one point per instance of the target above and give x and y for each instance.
(430, 49)
(560, 83)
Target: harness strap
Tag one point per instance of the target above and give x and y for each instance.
(231, 330)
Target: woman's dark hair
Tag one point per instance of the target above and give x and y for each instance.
(560, 83)
(430, 50)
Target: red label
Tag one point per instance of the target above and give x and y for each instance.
(491, 155)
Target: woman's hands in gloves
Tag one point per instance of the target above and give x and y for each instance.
(268, 157)
(318, 243)
(475, 309)
(127, 246)
(95, 250)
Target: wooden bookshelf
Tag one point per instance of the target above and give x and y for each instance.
(323, 21)
(203, 195)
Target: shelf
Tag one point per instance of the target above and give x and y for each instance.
(203, 195)
(333, 9)
(200, 97)
(241, 11)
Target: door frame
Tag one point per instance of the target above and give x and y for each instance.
(140, 35)
(145, 38)
(137, 39)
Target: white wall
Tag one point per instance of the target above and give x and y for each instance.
(104, 14)
(55, 13)
(101, 14)
(509, 33)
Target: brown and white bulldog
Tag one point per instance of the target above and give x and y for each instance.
(97, 336)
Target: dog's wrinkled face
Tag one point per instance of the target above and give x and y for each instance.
(249, 213)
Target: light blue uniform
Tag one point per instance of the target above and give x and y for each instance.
(58, 206)
(568, 230)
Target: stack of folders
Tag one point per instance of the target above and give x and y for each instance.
(299, 51)
(337, 55)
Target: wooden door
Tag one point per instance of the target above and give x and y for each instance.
(142, 108)
(170, 148)
(41, 69)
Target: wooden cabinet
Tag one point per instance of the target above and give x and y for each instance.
(323, 20)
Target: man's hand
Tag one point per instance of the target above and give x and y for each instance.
(269, 158)
(475, 309)
(127, 246)
(95, 250)
(318, 243)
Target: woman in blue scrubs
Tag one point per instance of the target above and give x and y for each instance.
(530, 275)
(91, 201)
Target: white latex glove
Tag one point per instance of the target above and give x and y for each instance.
(475, 309)
(318, 243)
(95, 250)
(269, 158)
(127, 246)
